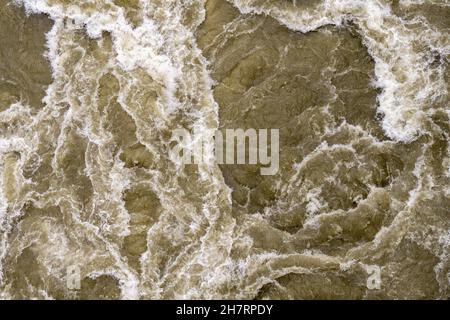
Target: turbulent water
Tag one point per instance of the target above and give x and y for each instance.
(91, 91)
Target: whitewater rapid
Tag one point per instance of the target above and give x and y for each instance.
(87, 179)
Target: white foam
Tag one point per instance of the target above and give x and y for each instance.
(410, 86)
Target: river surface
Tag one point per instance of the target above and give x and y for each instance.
(91, 91)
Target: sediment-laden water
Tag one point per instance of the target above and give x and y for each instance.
(91, 91)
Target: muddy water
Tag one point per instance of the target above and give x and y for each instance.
(90, 92)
